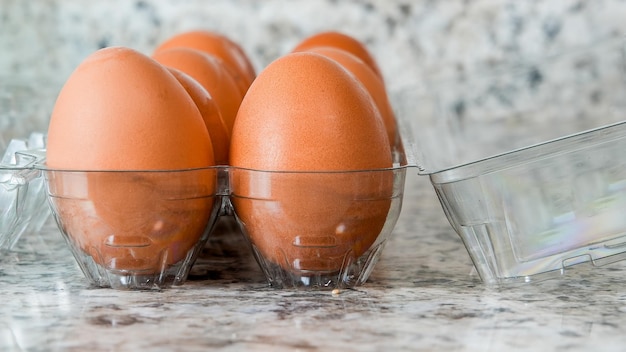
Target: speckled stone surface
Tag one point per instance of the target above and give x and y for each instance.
(423, 295)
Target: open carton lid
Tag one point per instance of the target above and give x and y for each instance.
(529, 164)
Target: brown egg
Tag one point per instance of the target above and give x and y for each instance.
(211, 74)
(307, 114)
(220, 46)
(340, 41)
(218, 131)
(121, 110)
(370, 80)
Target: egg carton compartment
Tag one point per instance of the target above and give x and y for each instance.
(528, 164)
(23, 205)
(145, 229)
(317, 229)
(135, 229)
(24, 112)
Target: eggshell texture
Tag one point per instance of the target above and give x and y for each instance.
(121, 110)
(370, 80)
(308, 114)
(211, 74)
(304, 112)
(218, 131)
(340, 41)
(220, 46)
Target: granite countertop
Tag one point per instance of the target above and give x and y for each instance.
(422, 295)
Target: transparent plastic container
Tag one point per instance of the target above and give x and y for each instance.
(529, 166)
(23, 205)
(317, 229)
(145, 229)
(24, 111)
(135, 229)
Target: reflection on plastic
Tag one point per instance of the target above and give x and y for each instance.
(317, 229)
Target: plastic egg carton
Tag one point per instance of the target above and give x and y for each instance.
(144, 229)
(152, 238)
(529, 164)
(23, 206)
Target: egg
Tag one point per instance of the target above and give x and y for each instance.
(211, 74)
(302, 130)
(341, 41)
(119, 111)
(370, 80)
(220, 46)
(218, 131)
